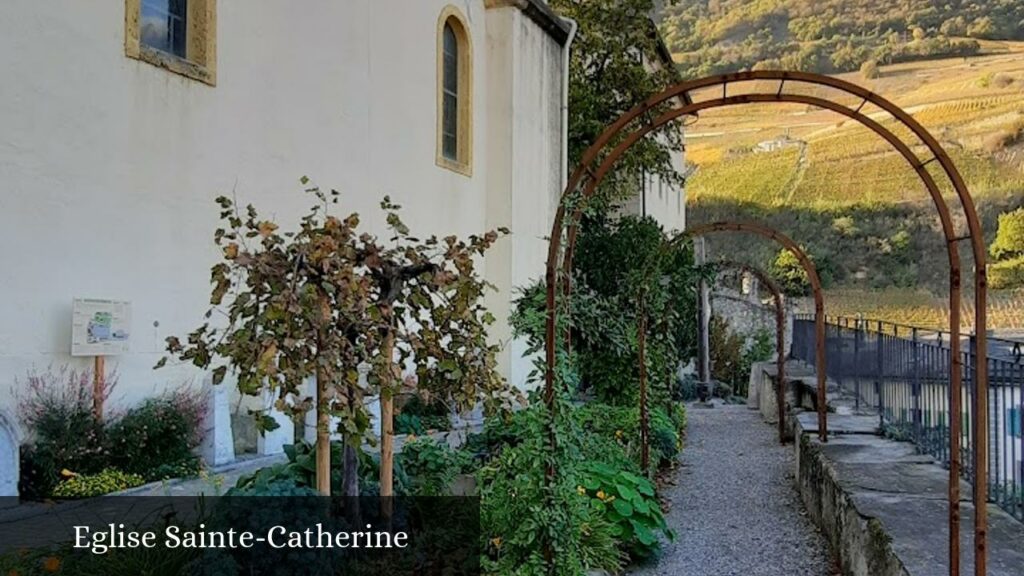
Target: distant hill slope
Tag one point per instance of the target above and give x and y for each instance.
(843, 192)
(713, 36)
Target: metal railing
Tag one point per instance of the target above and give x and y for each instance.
(901, 373)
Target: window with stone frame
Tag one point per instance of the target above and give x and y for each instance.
(454, 93)
(177, 35)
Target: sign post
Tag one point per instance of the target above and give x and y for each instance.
(99, 328)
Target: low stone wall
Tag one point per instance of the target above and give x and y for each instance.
(883, 506)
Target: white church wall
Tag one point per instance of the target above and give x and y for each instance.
(110, 165)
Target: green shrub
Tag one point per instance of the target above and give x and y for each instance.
(89, 485)
(622, 425)
(1009, 242)
(628, 502)
(56, 410)
(300, 472)
(419, 417)
(431, 466)
(1006, 274)
(158, 436)
(517, 512)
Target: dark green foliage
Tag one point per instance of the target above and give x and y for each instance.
(432, 466)
(606, 79)
(716, 36)
(154, 440)
(300, 473)
(616, 261)
(622, 425)
(894, 245)
(158, 437)
(419, 417)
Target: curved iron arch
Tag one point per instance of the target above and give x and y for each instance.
(939, 155)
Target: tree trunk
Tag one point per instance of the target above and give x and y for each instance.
(350, 483)
(323, 436)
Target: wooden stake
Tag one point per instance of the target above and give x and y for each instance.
(323, 437)
(387, 428)
(98, 387)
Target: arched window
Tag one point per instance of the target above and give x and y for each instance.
(454, 93)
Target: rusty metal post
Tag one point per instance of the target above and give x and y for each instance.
(641, 343)
(780, 358)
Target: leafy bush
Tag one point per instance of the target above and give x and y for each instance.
(1006, 274)
(628, 501)
(733, 353)
(431, 466)
(418, 417)
(790, 274)
(622, 424)
(158, 437)
(300, 472)
(1009, 242)
(518, 513)
(56, 411)
(89, 485)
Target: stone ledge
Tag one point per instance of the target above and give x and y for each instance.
(883, 506)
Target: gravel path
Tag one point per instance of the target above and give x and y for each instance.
(735, 508)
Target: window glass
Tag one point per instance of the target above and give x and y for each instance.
(162, 25)
(450, 105)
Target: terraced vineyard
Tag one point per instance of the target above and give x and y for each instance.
(855, 203)
(919, 308)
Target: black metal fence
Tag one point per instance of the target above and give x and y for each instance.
(901, 373)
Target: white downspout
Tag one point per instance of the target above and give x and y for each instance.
(566, 55)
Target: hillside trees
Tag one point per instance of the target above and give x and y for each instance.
(711, 37)
(1007, 269)
(607, 79)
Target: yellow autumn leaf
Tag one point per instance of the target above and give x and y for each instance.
(267, 228)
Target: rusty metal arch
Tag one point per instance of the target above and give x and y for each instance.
(938, 155)
(780, 362)
(816, 291)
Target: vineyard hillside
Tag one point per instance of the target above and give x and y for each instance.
(845, 193)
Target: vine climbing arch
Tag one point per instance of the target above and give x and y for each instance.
(651, 115)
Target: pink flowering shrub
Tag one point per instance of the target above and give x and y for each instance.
(56, 410)
(157, 438)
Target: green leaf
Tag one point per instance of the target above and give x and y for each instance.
(627, 492)
(218, 374)
(643, 533)
(625, 509)
(645, 488)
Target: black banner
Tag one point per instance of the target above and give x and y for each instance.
(239, 535)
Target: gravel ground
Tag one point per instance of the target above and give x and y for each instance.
(735, 507)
